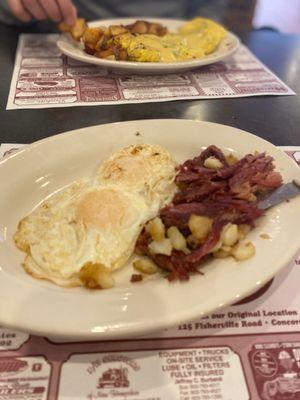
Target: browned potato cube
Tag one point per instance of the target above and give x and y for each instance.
(156, 229)
(231, 159)
(107, 32)
(78, 29)
(145, 265)
(105, 53)
(139, 27)
(96, 276)
(243, 230)
(157, 29)
(116, 30)
(153, 28)
(92, 36)
(200, 226)
(243, 251)
(162, 31)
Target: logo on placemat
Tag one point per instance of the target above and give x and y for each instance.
(114, 377)
(114, 374)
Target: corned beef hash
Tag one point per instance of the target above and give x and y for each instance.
(172, 217)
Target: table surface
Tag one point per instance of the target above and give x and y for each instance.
(275, 118)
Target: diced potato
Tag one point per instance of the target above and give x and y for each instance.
(162, 247)
(162, 31)
(155, 29)
(200, 226)
(156, 229)
(221, 253)
(107, 32)
(231, 159)
(105, 53)
(177, 239)
(243, 251)
(92, 35)
(116, 30)
(229, 234)
(78, 29)
(145, 265)
(139, 27)
(243, 230)
(212, 163)
(143, 27)
(106, 280)
(96, 276)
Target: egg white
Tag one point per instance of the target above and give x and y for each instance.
(97, 220)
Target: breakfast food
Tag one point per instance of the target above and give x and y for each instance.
(145, 41)
(211, 213)
(81, 234)
(139, 200)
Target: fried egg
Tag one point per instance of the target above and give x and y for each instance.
(145, 169)
(97, 220)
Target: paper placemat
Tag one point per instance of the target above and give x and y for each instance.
(248, 350)
(45, 78)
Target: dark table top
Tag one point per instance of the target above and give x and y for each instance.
(275, 118)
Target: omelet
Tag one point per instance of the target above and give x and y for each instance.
(194, 40)
(87, 230)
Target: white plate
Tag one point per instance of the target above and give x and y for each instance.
(129, 309)
(75, 50)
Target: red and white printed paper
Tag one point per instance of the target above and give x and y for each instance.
(43, 78)
(247, 351)
(23, 378)
(161, 375)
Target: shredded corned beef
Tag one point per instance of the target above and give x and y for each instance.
(197, 255)
(226, 194)
(219, 208)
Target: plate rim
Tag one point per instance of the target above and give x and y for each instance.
(149, 66)
(32, 327)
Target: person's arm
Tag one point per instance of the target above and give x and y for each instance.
(55, 10)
